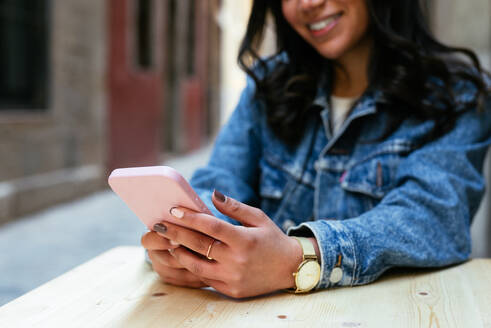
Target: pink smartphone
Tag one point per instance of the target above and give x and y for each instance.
(150, 192)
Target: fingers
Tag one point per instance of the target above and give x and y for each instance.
(218, 285)
(164, 258)
(206, 224)
(226, 289)
(172, 275)
(153, 241)
(184, 283)
(247, 215)
(200, 267)
(196, 241)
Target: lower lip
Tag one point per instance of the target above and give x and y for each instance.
(325, 30)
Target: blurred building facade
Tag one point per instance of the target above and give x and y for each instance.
(52, 134)
(163, 78)
(90, 85)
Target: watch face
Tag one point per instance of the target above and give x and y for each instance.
(308, 275)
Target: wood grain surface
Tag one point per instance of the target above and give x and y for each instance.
(118, 289)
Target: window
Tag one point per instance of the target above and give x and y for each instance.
(144, 34)
(23, 55)
(191, 38)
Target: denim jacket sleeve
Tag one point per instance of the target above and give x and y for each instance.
(423, 222)
(233, 165)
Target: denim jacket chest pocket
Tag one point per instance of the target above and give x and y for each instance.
(374, 174)
(284, 198)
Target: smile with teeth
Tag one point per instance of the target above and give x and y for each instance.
(322, 24)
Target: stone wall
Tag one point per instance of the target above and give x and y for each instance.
(465, 23)
(60, 153)
(232, 20)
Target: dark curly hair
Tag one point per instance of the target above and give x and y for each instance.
(405, 56)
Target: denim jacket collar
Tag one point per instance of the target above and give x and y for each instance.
(366, 105)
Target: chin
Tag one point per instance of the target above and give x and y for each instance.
(336, 48)
(331, 52)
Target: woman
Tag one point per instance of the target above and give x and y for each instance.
(364, 135)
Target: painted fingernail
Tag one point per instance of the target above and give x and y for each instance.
(219, 196)
(159, 227)
(176, 212)
(173, 243)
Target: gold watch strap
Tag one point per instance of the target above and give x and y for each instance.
(307, 247)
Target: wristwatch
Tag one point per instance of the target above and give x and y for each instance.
(309, 271)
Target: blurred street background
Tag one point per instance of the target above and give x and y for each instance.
(87, 86)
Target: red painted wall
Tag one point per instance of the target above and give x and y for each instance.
(135, 95)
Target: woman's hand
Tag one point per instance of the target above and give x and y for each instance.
(248, 260)
(168, 268)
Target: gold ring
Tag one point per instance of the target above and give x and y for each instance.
(209, 250)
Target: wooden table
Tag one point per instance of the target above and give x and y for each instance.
(118, 289)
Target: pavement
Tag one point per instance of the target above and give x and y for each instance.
(39, 247)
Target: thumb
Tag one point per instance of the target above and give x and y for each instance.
(247, 215)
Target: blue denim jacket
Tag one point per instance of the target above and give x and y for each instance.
(378, 205)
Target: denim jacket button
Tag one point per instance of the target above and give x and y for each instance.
(336, 275)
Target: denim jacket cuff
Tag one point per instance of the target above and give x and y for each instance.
(334, 241)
